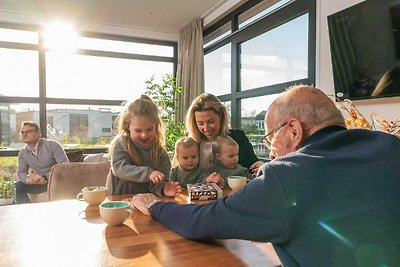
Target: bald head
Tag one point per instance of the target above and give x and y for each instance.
(309, 105)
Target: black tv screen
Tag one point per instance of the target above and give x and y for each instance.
(365, 49)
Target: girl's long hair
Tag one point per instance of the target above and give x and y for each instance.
(144, 107)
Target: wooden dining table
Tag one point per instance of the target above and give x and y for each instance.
(71, 233)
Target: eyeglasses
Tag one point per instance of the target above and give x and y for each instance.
(26, 132)
(266, 140)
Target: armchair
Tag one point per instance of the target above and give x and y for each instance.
(67, 180)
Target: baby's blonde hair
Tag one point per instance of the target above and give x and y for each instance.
(144, 107)
(184, 142)
(220, 141)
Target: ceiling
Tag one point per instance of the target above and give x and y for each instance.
(168, 16)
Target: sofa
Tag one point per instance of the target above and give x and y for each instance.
(66, 180)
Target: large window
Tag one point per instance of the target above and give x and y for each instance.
(95, 77)
(217, 68)
(271, 46)
(74, 95)
(273, 57)
(22, 79)
(81, 125)
(12, 115)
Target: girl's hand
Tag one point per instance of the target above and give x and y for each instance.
(172, 189)
(254, 168)
(216, 178)
(156, 177)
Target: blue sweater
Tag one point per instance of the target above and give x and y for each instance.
(334, 202)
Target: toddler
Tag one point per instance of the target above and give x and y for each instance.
(226, 157)
(186, 168)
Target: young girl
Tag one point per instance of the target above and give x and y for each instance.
(226, 158)
(139, 161)
(186, 168)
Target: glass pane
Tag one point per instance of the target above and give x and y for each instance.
(90, 77)
(81, 126)
(12, 116)
(9, 167)
(125, 47)
(218, 34)
(277, 56)
(217, 71)
(252, 122)
(228, 105)
(19, 72)
(260, 10)
(11, 35)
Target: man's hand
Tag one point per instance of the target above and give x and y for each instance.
(142, 201)
(172, 189)
(35, 179)
(156, 176)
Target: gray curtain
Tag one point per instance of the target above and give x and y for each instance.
(190, 72)
(343, 56)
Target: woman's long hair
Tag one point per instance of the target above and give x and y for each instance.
(206, 102)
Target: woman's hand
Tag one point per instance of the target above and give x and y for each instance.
(254, 168)
(172, 189)
(156, 177)
(216, 178)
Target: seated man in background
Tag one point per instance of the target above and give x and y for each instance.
(329, 196)
(35, 161)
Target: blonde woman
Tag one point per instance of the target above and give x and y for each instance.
(389, 84)
(206, 119)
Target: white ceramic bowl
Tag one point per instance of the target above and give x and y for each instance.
(236, 182)
(114, 213)
(93, 195)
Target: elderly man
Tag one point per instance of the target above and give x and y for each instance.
(329, 197)
(35, 161)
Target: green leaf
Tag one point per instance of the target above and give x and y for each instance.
(164, 94)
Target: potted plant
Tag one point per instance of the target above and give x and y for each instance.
(7, 188)
(165, 94)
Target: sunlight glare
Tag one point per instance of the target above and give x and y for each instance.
(60, 36)
(336, 234)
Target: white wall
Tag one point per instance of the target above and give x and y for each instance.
(388, 108)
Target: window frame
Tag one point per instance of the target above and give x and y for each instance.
(280, 16)
(42, 100)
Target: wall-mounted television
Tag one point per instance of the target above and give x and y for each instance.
(365, 49)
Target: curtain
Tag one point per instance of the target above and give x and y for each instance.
(190, 71)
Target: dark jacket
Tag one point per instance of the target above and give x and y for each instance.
(334, 202)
